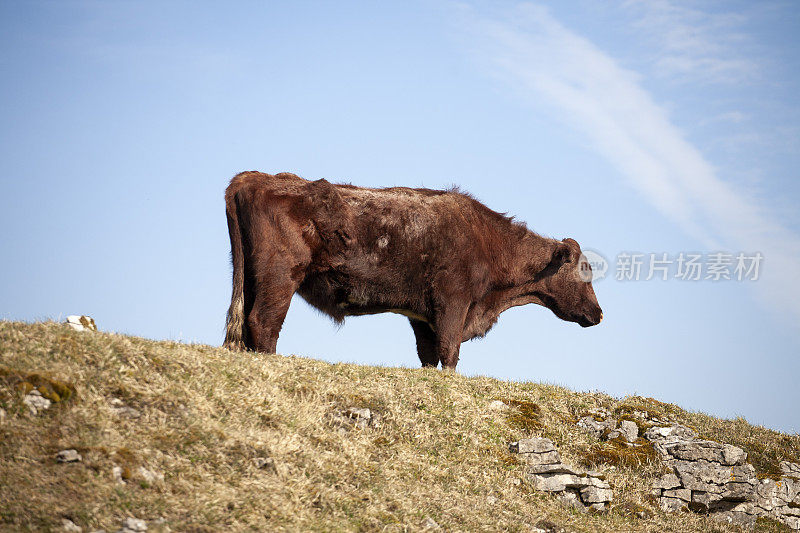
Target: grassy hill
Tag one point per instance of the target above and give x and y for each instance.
(248, 441)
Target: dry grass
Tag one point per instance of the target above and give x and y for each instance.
(206, 413)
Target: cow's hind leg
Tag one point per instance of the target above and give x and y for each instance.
(426, 343)
(273, 281)
(270, 305)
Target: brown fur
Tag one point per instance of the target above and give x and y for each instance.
(442, 258)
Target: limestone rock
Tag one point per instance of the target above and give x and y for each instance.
(670, 433)
(681, 494)
(667, 481)
(737, 518)
(555, 482)
(790, 469)
(572, 500)
(596, 427)
(532, 446)
(575, 488)
(547, 458)
(629, 430)
(556, 468)
(536, 451)
(705, 450)
(671, 504)
(595, 495)
(606, 427)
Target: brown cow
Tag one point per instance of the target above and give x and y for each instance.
(441, 258)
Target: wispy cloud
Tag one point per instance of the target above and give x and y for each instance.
(694, 45)
(543, 59)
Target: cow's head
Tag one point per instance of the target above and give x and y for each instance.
(565, 286)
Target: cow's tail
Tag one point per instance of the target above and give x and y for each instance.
(235, 326)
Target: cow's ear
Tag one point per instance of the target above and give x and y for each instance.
(561, 254)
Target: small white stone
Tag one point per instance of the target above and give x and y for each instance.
(359, 413)
(68, 456)
(428, 524)
(81, 323)
(150, 476)
(497, 405)
(133, 525)
(127, 412)
(36, 402)
(265, 463)
(117, 473)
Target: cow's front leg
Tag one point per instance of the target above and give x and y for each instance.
(426, 343)
(449, 333)
(448, 353)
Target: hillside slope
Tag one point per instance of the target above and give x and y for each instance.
(197, 438)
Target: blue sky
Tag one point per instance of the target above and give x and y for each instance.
(652, 127)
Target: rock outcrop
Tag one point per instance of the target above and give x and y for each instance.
(582, 490)
(705, 476)
(714, 478)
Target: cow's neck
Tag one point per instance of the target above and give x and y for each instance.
(514, 281)
(520, 284)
